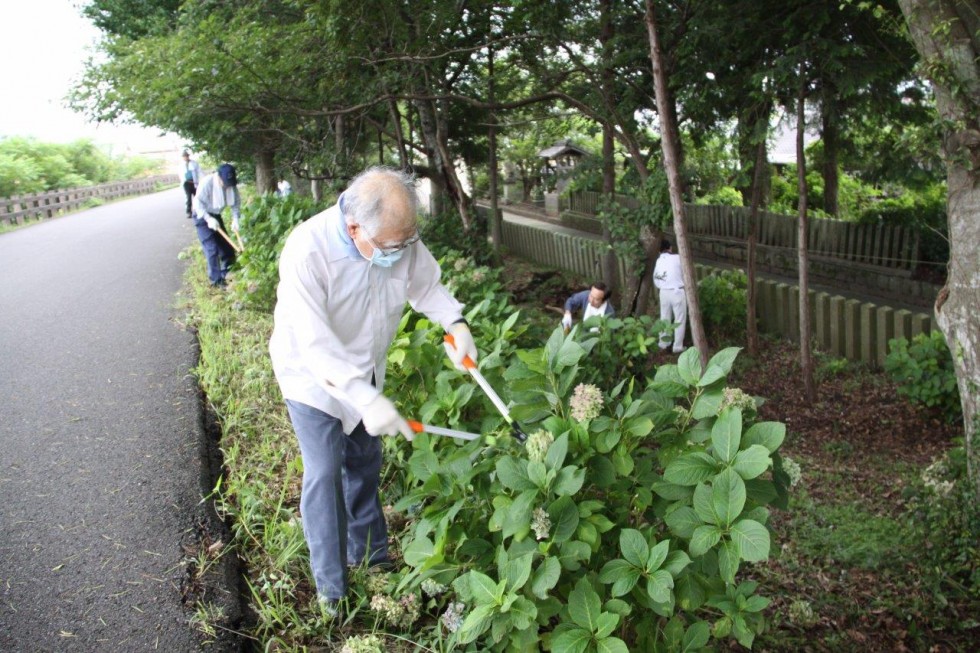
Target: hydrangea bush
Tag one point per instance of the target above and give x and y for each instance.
(623, 524)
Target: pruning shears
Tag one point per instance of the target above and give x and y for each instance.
(419, 427)
(495, 399)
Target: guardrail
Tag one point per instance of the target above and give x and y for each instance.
(38, 206)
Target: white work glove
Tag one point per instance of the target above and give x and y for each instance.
(380, 417)
(235, 224)
(567, 321)
(213, 223)
(465, 346)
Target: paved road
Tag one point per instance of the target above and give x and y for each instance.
(100, 442)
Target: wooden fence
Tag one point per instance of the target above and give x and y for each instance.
(842, 327)
(17, 209)
(878, 245)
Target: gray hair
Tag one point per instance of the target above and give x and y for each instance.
(381, 194)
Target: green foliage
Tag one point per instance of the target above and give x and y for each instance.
(266, 222)
(625, 531)
(924, 372)
(619, 348)
(924, 211)
(946, 518)
(724, 196)
(30, 166)
(723, 298)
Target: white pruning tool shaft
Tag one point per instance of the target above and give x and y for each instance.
(482, 382)
(419, 427)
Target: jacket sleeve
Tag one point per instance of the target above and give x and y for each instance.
(576, 302)
(425, 292)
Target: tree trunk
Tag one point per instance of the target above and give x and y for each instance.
(609, 191)
(435, 134)
(947, 36)
(806, 355)
(265, 171)
(396, 120)
(830, 134)
(759, 172)
(670, 141)
(496, 229)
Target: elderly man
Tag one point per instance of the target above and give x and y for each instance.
(591, 302)
(344, 278)
(217, 191)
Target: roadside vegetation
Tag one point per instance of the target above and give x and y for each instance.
(656, 507)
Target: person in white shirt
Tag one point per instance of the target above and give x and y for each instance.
(592, 302)
(217, 191)
(345, 276)
(669, 280)
(190, 175)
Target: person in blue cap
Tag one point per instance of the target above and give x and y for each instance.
(217, 191)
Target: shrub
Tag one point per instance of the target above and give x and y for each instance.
(266, 221)
(723, 300)
(619, 348)
(944, 512)
(624, 524)
(924, 372)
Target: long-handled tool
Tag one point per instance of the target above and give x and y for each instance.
(419, 427)
(481, 381)
(230, 241)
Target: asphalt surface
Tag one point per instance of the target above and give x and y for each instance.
(100, 433)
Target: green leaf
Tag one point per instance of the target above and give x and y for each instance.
(476, 623)
(634, 547)
(683, 521)
(584, 606)
(756, 604)
(711, 374)
(703, 505)
(690, 469)
(555, 457)
(707, 404)
(752, 540)
(483, 588)
(564, 518)
(760, 490)
(569, 354)
(728, 496)
(675, 562)
(639, 426)
(611, 645)
(728, 560)
(658, 554)
(672, 491)
(726, 434)
(751, 462)
(423, 464)
(518, 517)
(513, 474)
(537, 473)
(607, 440)
(698, 634)
(703, 539)
(626, 582)
(613, 570)
(725, 358)
(659, 585)
(607, 622)
(523, 612)
(418, 551)
(689, 366)
(545, 577)
(569, 481)
(601, 471)
(769, 434)
(517, 571)
(574, 640)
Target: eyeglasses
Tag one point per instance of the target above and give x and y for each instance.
(385, 251)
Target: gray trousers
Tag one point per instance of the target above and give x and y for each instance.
(341, 509)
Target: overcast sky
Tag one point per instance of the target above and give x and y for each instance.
(43, 47)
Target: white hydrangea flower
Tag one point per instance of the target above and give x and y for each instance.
(537, 445)
(452, 618)
(792, 469)
(540, 524)
(586, 402)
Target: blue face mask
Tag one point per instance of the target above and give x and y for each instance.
(382, 261)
